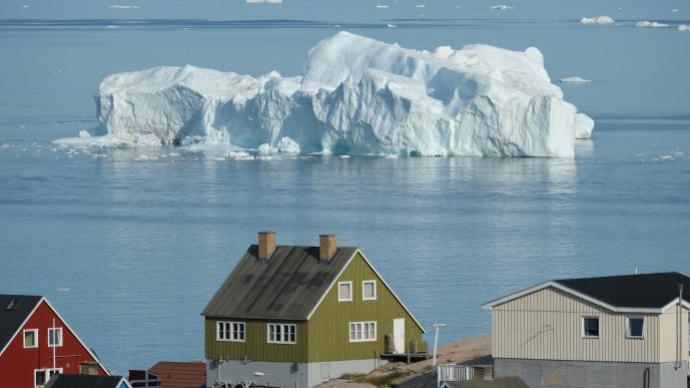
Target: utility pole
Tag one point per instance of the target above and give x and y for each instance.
(436, 326)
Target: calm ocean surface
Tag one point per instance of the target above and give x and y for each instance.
(130, 244)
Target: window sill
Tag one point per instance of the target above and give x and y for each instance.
(281, 343)
(590, 337)
(229, 340)
(633, 337)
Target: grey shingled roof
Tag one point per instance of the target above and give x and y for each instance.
(12, 319)
(287, 286)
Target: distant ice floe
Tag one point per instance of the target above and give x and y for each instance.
(597, 20)
(683, 27)
(575, 80)
(650, 24)
(357, 96)
(500, 7)
(381, 6)
(391, 25)
(264, 1)
(675, 10)
(118, 6)
(25, 6)
(420, 5)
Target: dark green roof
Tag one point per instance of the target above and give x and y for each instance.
(287, 286)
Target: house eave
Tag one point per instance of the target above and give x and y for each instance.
(616, 309)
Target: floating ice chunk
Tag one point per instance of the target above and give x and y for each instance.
(84, 134)
(288, 146)
(597, 20)
(390, 25)
(381, 6)
(500, 7)
(25, 6)
(117, 6)
(264, 1)
(675, 10)
(420, 5)
(357, 96)
(683, 27)
(575, 80)
(648, 24)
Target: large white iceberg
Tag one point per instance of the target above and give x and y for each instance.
(357, 96)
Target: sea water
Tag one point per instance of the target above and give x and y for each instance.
(131, 243)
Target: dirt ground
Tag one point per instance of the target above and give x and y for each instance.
(417, 374)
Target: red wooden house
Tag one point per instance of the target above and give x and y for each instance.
(35, 343)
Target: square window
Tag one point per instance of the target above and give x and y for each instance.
(55, 337)
(30, 338)
(369, 290)
(590, 327)
(635, 327)
(230, 331)
(362, 331)
(344, 291)
(282, 333)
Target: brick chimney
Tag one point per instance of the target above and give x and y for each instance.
(326, 246)
(267, 244)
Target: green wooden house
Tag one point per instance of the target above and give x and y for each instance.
(296, 316)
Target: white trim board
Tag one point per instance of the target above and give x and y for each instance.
(347, 264)
(643, 310)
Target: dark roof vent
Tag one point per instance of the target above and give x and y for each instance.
(12, 305)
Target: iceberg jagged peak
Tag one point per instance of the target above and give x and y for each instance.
(357, 96)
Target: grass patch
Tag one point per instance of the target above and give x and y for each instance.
(379, 381)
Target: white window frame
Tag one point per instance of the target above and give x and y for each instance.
(46, 374)
(352, 291)
(59, 330)
(37, 339)
(283, 330)
(627, 327)
(362, 325)
(233, 335)
(364, 283)
(583, 326)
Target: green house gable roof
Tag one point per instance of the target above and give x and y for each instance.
(287, 286)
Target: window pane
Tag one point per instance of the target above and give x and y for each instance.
(635, 327)
(40, 377)
(29, 338)
(369, 290)
(592, 327)
(345, 291)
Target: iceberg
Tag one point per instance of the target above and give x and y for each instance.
(357, 96)
(575, 80)
(597, 20)
(648, 24)
(684, 27)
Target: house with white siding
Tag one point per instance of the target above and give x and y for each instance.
(618, 331)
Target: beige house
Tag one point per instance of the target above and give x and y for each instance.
(618, 331)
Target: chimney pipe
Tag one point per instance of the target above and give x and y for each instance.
(326, 246)
(267, 245)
